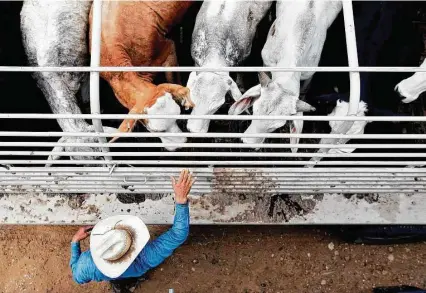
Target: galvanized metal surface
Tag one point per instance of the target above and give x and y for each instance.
(221, 195)
(217, 209)
(210, 69)
(386, 188)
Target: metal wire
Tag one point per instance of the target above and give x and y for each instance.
(215, 162)
(217, 154)
(215, 145)
(208, 69)
(210, 135)
(214, 117)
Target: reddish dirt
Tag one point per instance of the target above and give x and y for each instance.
(221, 259)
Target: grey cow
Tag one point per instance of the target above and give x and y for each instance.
(223, 34)
(54, 34)
(295, 39)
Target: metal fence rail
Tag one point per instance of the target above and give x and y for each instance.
(223, 165)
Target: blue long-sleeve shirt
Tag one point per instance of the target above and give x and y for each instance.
(154, 253)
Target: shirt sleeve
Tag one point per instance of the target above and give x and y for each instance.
(156, 251)
(76, 267)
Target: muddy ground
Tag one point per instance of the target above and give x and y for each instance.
(222, 259)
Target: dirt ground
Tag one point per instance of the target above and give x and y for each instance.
(221, 259)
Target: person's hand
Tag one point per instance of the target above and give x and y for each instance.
(81, 234)
(182, 186)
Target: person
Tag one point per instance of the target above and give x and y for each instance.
(120, 246)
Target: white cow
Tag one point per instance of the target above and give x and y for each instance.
(411, 88)
(295, 39)
(223, 34)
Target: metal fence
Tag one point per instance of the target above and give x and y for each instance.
(221, 162)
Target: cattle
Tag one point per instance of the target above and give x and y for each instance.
(295, 39)
(54, 34)
(385, 37)
(134, 34)
(223, 35)
(411, 88)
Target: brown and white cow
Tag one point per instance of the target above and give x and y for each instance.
(134, 34)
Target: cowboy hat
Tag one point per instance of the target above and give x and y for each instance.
(116, 241)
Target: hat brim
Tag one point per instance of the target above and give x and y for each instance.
(140, 237)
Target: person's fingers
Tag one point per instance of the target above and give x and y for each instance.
(188, 178)
(87, 229)
(182, 173)
(173, 180)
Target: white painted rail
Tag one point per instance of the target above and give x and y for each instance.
(235, 183)
(95, 60)
(209, 69)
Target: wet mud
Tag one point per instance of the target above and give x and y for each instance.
(138, 198)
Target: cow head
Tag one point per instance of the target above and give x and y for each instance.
(268, 98)
(208, 92)
(161, 104)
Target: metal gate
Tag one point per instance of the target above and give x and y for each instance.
(234, 184)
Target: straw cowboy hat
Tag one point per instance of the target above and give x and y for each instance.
(116, 241)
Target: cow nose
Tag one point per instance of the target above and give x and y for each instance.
(396, 89)
(174, 140)
(198, 126)
(253, 140)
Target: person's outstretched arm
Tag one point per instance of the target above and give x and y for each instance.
(156, 251)
(76, 266)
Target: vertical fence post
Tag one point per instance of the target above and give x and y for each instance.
(95, 58)
(354, 78)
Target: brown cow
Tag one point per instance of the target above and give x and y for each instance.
(134, 34)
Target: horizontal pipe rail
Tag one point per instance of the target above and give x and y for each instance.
(220, 179)
(129, 179)
(215, 117)
(215, 171)
(208, 69)
(217, 154)
(209, 135)
(242, 185)
(214, 145)
(196, 191)
(226, 163)
(208, 188)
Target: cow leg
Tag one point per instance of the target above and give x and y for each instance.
(172, 61)
(306, 86)
(54, 34)
(297, 126)
(180, 94)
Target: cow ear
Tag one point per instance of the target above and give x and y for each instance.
(302, 106)
(246, 101)
(233, 89)
(264, 79)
